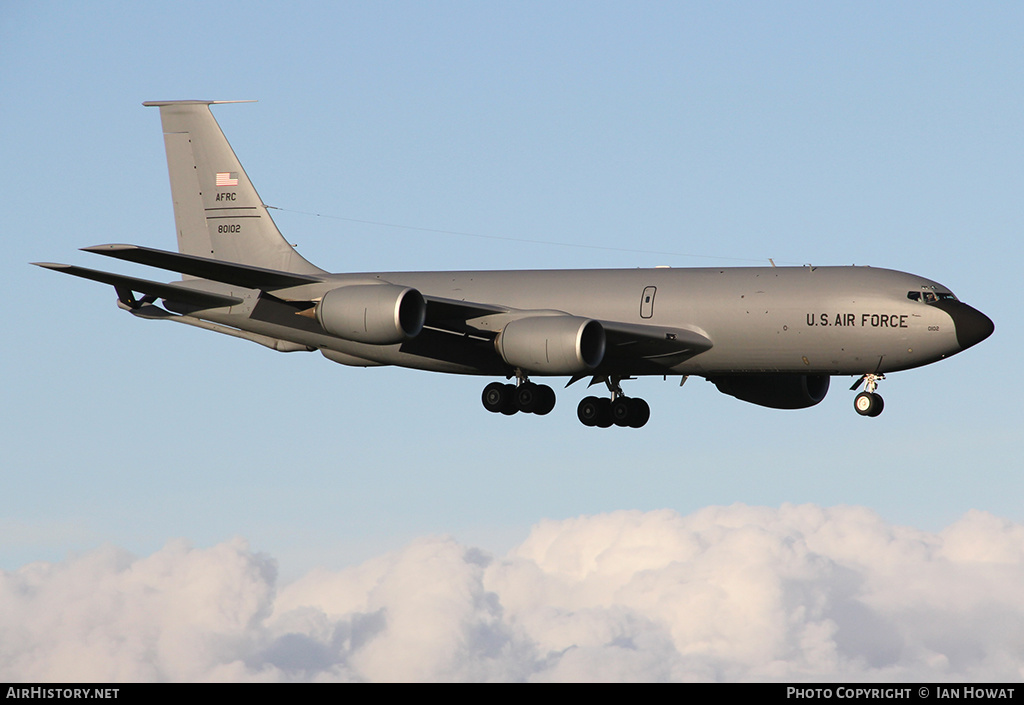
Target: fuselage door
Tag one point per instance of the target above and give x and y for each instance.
(647, 302)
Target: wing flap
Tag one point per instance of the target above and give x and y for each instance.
(226, 272)
(125, 285)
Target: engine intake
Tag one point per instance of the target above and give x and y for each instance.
(557, 345)
(775, 391)
(381, 314)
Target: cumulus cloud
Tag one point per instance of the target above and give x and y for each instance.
(727, 594)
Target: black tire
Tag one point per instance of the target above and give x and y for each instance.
(510, 407)
(865, 404)
(640, 413)
(545, 401)
(879, 405)
(621, 411)
(527, 397)
(494, 397)
(604, 413)
(588, 411)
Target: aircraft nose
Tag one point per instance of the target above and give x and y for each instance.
(972, 326)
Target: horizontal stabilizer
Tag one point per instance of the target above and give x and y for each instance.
(217, 270)
(126, 285)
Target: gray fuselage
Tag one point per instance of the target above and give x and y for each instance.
(812, 320)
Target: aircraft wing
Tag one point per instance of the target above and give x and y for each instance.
(126, 285)
(626, 342)
(454, 315)
(217, 270)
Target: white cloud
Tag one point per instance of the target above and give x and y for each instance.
(727, 593)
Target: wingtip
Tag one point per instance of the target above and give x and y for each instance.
(115, 247)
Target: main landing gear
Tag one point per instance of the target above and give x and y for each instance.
(527, 397)
(539, 399)
(623, 411)
(620, 410)
(868, 402)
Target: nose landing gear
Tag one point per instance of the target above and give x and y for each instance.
(868, 402)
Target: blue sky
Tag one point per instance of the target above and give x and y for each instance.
(800, 132)
(641, 134)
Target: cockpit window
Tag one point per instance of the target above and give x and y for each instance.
(930, 297)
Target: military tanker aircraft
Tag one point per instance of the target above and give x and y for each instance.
(772, 336)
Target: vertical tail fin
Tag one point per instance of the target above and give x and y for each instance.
(217, 211)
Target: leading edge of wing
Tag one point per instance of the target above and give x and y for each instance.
(124, 285)
(243, 275)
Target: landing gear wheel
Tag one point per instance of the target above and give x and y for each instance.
(595, 412)
(545, 400)
(495, 397)
(868, 404)
(510, 407)
(639, 413)
(588, 411)
(879, 404)
(864, 403)
(527, 397)
(622, 410)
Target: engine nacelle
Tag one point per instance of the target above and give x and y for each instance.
(557, 345)
(776, 391)
(381, 314)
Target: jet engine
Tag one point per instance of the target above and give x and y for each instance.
(381, 314)
(775, 391)
(557, 345)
